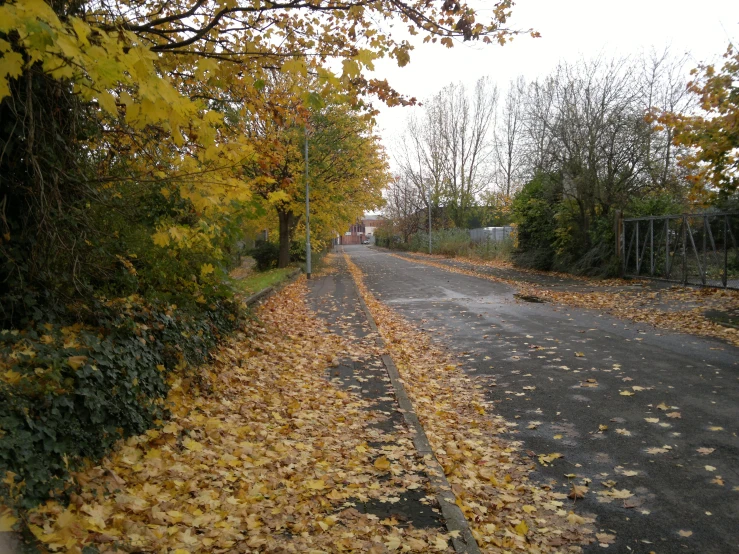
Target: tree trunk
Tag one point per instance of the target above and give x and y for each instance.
(287, 219)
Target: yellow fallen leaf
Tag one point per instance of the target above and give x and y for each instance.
(684, 533)
(315, 484)
(382, 463)
(393, 542)
(11, 377)
(192, 445)
(76, 362)
(7, 520)
(626, 393)
(521, 529)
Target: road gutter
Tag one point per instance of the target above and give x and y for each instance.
(455, 521)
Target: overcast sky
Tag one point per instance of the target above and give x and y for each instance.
(569, 29)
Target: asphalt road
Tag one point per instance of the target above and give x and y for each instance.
(557, 374)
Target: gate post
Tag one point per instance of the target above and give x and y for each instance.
(619, 229)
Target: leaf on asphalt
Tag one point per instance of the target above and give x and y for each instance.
(715, 428)
(685, 533)
(657, 450)
(626, 393)
(546, 459)
(623, 432)
(579, 354)
(710, 468)
(674, 415)
(577, 491)
(651, 419)
(705, 451)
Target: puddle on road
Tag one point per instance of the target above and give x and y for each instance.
(529, 298)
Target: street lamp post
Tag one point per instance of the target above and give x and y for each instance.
(307, 209)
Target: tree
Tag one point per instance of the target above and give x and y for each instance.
(404, 207)
(347, 168)
(447, 151)
(508, 137)
(713, 136)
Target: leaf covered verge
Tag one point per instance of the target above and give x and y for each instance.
(274, 459)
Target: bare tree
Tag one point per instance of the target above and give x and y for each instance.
(663, 89)
(447, 151)
(509, 153)
(404, 207)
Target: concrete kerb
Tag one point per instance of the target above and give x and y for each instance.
(453, 516)
(265, 293)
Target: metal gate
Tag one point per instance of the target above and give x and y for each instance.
(697, 249)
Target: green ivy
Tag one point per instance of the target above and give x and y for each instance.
(69, 393)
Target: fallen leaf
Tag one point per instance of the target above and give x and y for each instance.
(577, 491)
(684, 533)
(382, 463)
(521, 529)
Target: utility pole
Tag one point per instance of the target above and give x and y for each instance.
(307, 208)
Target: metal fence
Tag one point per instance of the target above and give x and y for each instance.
(493, 234)
(697, 249)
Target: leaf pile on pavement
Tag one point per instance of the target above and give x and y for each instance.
(642, 306)
(488, 474)
(275, 459)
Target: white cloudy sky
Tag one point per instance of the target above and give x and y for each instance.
(570, 29)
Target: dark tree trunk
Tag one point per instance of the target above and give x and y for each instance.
(287, 220)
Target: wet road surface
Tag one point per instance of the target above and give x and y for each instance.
(646, 419)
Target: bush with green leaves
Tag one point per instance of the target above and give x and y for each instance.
(266, 254)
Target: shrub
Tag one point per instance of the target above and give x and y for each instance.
(534, 212)
(266, 254)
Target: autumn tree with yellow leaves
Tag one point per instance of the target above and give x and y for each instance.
(127, 176)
